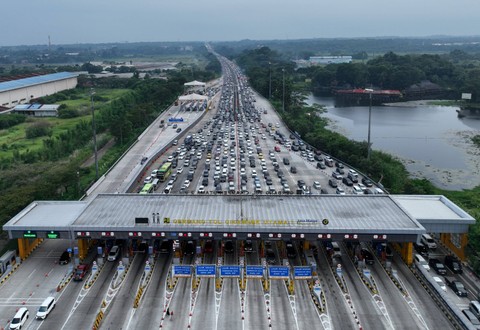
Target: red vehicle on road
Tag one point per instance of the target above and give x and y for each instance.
(80, 272)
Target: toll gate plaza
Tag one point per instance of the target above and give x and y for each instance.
(392, 218)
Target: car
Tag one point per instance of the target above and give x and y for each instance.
(293, 169)
(186, 183)
(165, 246)
(340, 170)
(420, 262)
(456, 286)
(437, 266)
(428, 241)
(420, 248)
(367, 182)
(317, 185)
(80, 272)
(270, 256)
(300, 183)
(179, 130)
(189, 248)
(340, 191)
(143, 160)
(291, 252)
(339, 165)
(229, 246)
(148, 179)
(332, 183)
(45, 308)
(201, 190)
(64, 258)
(337, 175)
(440, 283)
(208, 247)
(248, 246)
(472, 318)
(367, 256)
(20, 318)
(321, 165)
(357, 190)
(113, 253)
(347, 181)
(286, 161)
(453, 264)
(180, 170)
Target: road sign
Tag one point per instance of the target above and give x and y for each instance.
(182, 271)
(205, 270)
(279, 272)
(366, 272)
(230, 271)
(254, 271)
(302, 273)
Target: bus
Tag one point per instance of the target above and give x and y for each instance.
(164, 171)
(147, 189)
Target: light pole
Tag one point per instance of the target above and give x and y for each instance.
(270, 83)
(283, 99)
(369, 90)
(92, 92)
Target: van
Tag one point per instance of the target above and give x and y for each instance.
(336, 250)
(155, 183)
(428, 241)
(45, 308)
(113, 254)
(474, 307)
(471, 317)
(421, 262)
(19, 319)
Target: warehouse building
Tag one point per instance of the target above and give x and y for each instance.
(22, 91)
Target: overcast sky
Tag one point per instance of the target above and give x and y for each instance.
(94, 21)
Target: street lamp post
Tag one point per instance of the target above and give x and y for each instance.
(92, 93)
(369, 122)
(270, 82)
(283, 99)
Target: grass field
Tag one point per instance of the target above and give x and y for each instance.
(14, 138)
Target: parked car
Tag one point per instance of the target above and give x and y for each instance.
(367, 256)
(333, 183)
(347, 181)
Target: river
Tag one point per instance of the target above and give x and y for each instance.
(431, 141)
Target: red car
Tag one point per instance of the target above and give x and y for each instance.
(80, 272)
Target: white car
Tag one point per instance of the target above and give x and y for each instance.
(316, 185)
(201, 190)
(357, 190)
(340, 191)
(179, 170)
(170, 158)
(148, 179)
(186, 184)
(254, 173)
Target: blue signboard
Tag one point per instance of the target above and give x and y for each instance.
(182, 271)
(302, 272)
(230, 271)
(254, 271)
(279, 272)
(206, 270)
(175, 120)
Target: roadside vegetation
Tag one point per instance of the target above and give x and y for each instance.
(42, 158)
(307, 121)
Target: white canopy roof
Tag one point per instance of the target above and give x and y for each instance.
(193, 97)
(195, 83)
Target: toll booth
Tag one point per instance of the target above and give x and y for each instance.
(8, 259)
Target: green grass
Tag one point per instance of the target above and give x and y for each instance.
(14, 138)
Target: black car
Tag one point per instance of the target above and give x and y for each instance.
(291, 253)
(367, 182)
(456, 286)
(339, 165)
(270, 256)
(367, 256)
(300, 183)
(179, 130)
(205, 182)
(454, 264)
(64, 258)
(420, 248)
(189, 248)
(340, 170)
(229, 246)
(437, 266)
(347, 181)
(248, 246)
(333, 183)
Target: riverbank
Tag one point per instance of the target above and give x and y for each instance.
(418, 103)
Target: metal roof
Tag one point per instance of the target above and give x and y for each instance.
(360, 214)
(47, 214)
(356, 213)
(26, 82)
